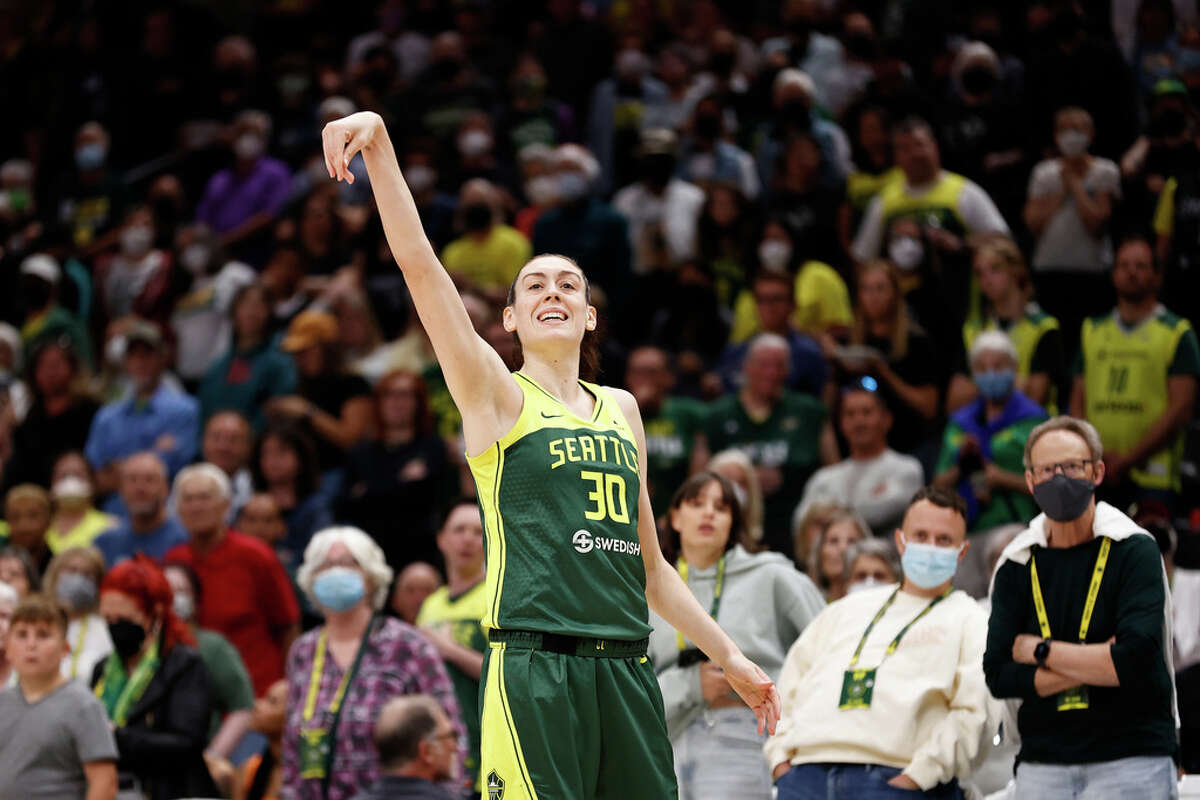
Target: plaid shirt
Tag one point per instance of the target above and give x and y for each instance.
(398, 661)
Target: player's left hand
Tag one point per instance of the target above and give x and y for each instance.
(756, 689)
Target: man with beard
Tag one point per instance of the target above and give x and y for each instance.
(1136, 380)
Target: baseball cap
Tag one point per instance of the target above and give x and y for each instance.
(143, 332)
(310, 328)
(42, 266)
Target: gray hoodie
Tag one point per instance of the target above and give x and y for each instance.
(765, 605)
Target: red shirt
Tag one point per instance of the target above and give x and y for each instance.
(247, 597)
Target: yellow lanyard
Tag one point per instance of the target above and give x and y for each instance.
(1085, 621)
(891, 648)
(83, 628)
(716, 606)
(314, 681)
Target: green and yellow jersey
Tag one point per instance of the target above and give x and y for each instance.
(461, 616)
(559, 496)
(1125, 372)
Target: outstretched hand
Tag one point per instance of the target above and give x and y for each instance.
(344, 138)
(756, 689)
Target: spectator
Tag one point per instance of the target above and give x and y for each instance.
(27, 515)
(916, 719)
(283, 282)
(1135, 379)
(1116, 666)
(331, 405)
(154, 686)
(816, 53)
(750, 594)
(1178, 239)
(437, 208)
(396, 484)
(248, 598)
(985, 439)
(450, 618)
(489, 253)
(59, 417)
(261, 775)
(363, 347)
(1006, 306)
(8, 604)
(252, 371)
(227, 443)
(662, 210)
(136, 280)
(76, 522)
(901, 359)
(808, 209)
(150, 528)
(415, 741)
(73, 581)
(1071, 199)
(728, 226)
(414, 584)
(18, 571)
(775, 304)
(232, 693)
(671, 422)
(64, 747)
(533, 117)
(345, 577)
(874, 481)
(619, 107)
(241, 201)
(872, 158)
(807, 529)
(45, 318)
(202, 319)
(780, 430)
(91, 200)
(708, 156)
(285, 467)
(584, 227)
(154, 417)
(827, 557)
(797, 111)
(735, 465)
(870, 563)
(261, 519)
(933, 209)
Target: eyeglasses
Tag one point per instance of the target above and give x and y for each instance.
(1074, 468)
(450, 734)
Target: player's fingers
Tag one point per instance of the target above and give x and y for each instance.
(327, 148)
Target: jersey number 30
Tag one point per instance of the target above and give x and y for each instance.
(608, 495)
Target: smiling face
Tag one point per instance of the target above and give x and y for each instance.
(549, 305)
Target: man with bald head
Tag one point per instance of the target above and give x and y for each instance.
(779, 430)
(417, 746)
(247, 596)
(150, 529)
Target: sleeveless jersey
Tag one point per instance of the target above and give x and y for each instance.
(1125, 375)
(1025, 333)
(937, 207)
(559, 496)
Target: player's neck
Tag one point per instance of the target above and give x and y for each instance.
(559, 377)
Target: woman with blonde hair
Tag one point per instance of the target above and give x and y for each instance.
(827, 559)
(73, 579)
(737, 467)
(806, 528)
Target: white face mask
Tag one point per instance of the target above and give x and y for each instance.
(1072, 143)
(249, 146)
(775, 254)
(474, 143)
(70, 488)
(114, 351)
(195, 258)
(906, 252)
(185, 607)
(136, 240)
(542, 190)
(420, 178)
(865, 583)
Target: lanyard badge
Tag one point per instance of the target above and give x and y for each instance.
(313, 752)
(858, 685)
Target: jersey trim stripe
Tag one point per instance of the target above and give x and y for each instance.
(502, 549)
(512, 726)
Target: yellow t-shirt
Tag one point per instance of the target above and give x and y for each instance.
(492, 263)
(1164, 212)
(83, 534)
(822, 302)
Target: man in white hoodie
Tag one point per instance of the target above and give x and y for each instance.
(883, 694)
(1080, 633)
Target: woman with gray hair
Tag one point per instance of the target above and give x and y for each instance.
(872, 562)
(342, 673)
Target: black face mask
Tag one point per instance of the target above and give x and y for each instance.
(861, 46)
(445, 69)
(795, 113)
(721, 64)
(658, 169)
(978, 80)
(127, 637)
(1062, 498)
(477, 217)
(36, 292)
(708, 126)
(799, 27)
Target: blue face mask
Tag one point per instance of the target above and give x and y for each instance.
(339, 588)
(995, 384)
(928, 566)
(90, 156)
(571, 186)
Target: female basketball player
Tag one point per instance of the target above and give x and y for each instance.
(571, 705)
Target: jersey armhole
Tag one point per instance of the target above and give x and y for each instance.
(519, 427)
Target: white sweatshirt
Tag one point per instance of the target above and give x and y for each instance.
(930, 711)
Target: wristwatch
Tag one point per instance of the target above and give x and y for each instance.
(1042, 652)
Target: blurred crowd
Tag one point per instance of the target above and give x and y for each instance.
(840, 251)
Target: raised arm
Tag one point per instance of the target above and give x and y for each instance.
(671, 599)
(488, 398)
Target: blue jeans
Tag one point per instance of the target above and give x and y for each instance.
(853, 782)
(720, 756)
(1142, 777)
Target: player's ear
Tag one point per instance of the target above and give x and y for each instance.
(508, 319)
(590, 323)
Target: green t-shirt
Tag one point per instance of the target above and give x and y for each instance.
(1008, 453)
(789, 439)
(1134, 719)
(232, 690)
(670, 437)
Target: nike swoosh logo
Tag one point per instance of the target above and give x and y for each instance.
(550, 416)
